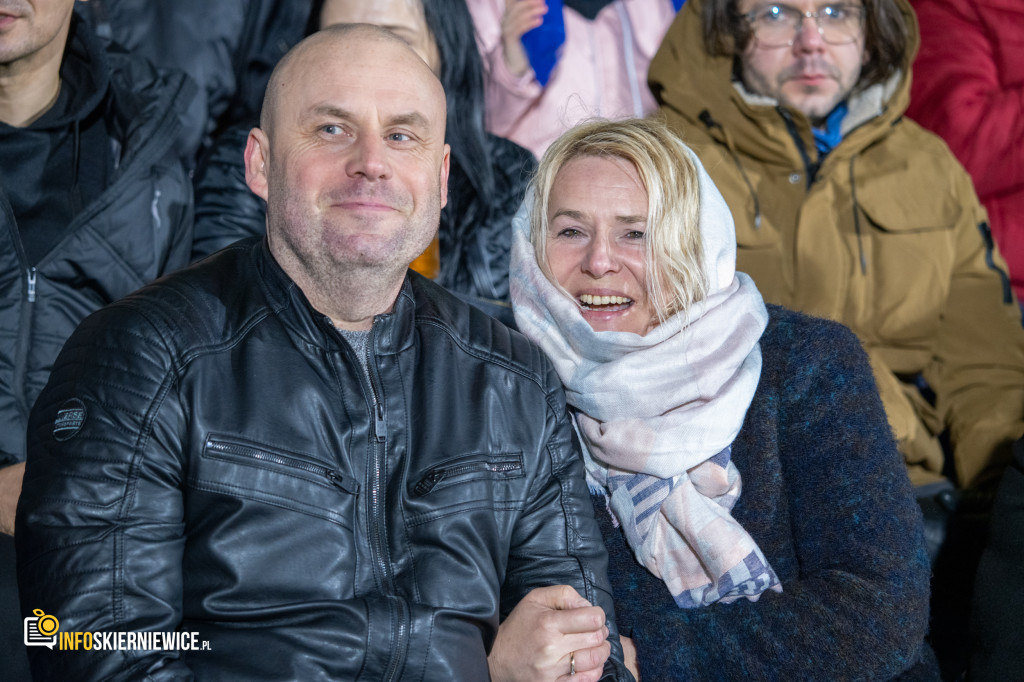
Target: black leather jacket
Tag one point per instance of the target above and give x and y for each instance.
(209, 455)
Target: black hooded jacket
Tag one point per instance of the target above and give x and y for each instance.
(228, 47)
(116, 217)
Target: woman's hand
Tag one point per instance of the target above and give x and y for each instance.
(551, 630)
(520, 16)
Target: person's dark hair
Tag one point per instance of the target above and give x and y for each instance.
(727, 33)
(462, 76)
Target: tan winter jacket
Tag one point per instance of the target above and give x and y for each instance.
(887, 238)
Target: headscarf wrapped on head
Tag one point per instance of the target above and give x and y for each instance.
(657, 414)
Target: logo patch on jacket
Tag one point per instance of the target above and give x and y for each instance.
(70, 418)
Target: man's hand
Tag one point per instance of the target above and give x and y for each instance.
(10, 491)
(551, 629)
(520, 16)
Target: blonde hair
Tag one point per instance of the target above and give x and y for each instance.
(675, 255)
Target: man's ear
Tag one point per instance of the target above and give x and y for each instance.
(257, 157)
(445, 167)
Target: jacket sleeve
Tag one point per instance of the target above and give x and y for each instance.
(849, 547)
(963, 96)
(226, 209)
(508, 98)
(557, 540)
(100, 531)
(978, 371)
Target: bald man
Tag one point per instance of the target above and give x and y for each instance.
(298, 460)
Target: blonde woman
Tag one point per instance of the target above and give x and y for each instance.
(759, 521)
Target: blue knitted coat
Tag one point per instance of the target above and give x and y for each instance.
(826, 497)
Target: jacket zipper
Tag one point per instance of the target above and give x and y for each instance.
(378, 531)
(810, 167)
(25, 312)
(402, 619)
(990, 247)
(378, 485)
(240, 451)
(856, 220)
(435, 476)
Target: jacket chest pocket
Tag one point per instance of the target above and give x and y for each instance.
(909, 261)
(286, 480)
(260, 516)
(491, 482)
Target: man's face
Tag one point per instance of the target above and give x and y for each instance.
(811, 75)
(353, 163)
(32, 29)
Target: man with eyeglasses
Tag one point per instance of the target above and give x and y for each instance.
(846, 210)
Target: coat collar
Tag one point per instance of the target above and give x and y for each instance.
(393, 332)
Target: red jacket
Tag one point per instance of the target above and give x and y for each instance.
(968, 87)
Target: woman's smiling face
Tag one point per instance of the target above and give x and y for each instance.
(597, 217)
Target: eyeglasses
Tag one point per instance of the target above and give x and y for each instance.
(778, 25)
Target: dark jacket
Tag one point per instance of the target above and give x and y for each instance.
(139, 228)
(884, 234)
(997, 629)
(474, 251)
(228, 47)
(825, 496)
(210, 456)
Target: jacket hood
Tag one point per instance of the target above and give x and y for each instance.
(146, 104)
(688, 81)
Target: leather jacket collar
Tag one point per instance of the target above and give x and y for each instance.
(392, 332)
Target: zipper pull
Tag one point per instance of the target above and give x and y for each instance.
(154, 210)
(427, 483)
(339, 481)
(380, 424)
(31, 285)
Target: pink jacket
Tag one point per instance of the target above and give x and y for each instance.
(968, 87)
(602, 71)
